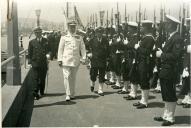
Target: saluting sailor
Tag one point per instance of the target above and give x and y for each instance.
(170, 54)
(70, 52)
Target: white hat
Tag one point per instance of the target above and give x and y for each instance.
(173, 19)
(133, 24)
(146, 22)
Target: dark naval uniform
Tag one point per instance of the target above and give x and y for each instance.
(171, 53)
(100, 52)
(144, 52)
(37, 51)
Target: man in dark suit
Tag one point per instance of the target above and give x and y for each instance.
(170, 54)
(98, 54)
(38, 53)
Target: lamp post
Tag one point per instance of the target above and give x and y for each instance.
(38, 11)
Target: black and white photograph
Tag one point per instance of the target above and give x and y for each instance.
(95, 63)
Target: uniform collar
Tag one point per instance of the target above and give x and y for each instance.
(171, 34)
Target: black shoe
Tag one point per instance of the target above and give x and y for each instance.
(119, 91)
(186, 106)
(158, 118)
(92, 88)
(117, 87)
(156, 91)
(167, 123)
(42, 93)
(123, 92)
(136, 104)
(131, 98)
(141, 106)
(36, 96)
(101, 94)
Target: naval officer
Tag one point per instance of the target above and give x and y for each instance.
(70, 52)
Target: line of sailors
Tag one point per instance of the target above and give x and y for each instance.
(118, 58)
(53, 39)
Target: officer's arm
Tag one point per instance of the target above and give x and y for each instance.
(30, 52)
(82, 49)
(176, 52)
(61, 49)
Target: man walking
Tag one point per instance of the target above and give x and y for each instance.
(38, 53)
(71, 46)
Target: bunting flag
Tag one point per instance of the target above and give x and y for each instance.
(80, 25)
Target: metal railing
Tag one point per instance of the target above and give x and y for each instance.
(8, 60)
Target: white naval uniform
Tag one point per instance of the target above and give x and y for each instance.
(71, 50)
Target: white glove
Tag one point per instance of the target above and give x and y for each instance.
(137, 46)
(118, 39)
(163, 44)
(158, 53)
(189, 49)
(123, 60)
(89, 55)
(87, 38)
(125, 41)
(155, 69)
(185, 73)
(117, 51)
(48, 56)
(110, 42)
(154, 47)
(133, 61)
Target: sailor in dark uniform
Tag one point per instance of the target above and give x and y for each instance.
(98, 54)
(128, 55)
(118, 46)
(144, 49)
(132, 66)
(170, 54)
(38, 53)
(185, 89)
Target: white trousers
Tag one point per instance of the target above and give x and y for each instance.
(69, 74)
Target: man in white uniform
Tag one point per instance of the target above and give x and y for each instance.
(70, 52)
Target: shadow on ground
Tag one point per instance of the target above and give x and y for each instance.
(56, 103)
(183, 120)
(86, 97)
(54, 94)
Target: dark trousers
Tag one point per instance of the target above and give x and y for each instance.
(185, 86)
(94, 73)
(168, 90)
(125, 70)
(39, 76)
(144, 75)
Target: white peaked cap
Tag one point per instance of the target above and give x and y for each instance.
(146, 22)
(131, 23)
(173, 19)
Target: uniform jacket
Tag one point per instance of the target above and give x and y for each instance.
(99, 50)
(170, 56)
(71, 47)
(37, 52)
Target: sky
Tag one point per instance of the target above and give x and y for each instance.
(52, 10)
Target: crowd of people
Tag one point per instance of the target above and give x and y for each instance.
(125, 56)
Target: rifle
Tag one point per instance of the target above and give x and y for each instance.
(182, 32)
(118, 19)
(154, 27)
(133, 68)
